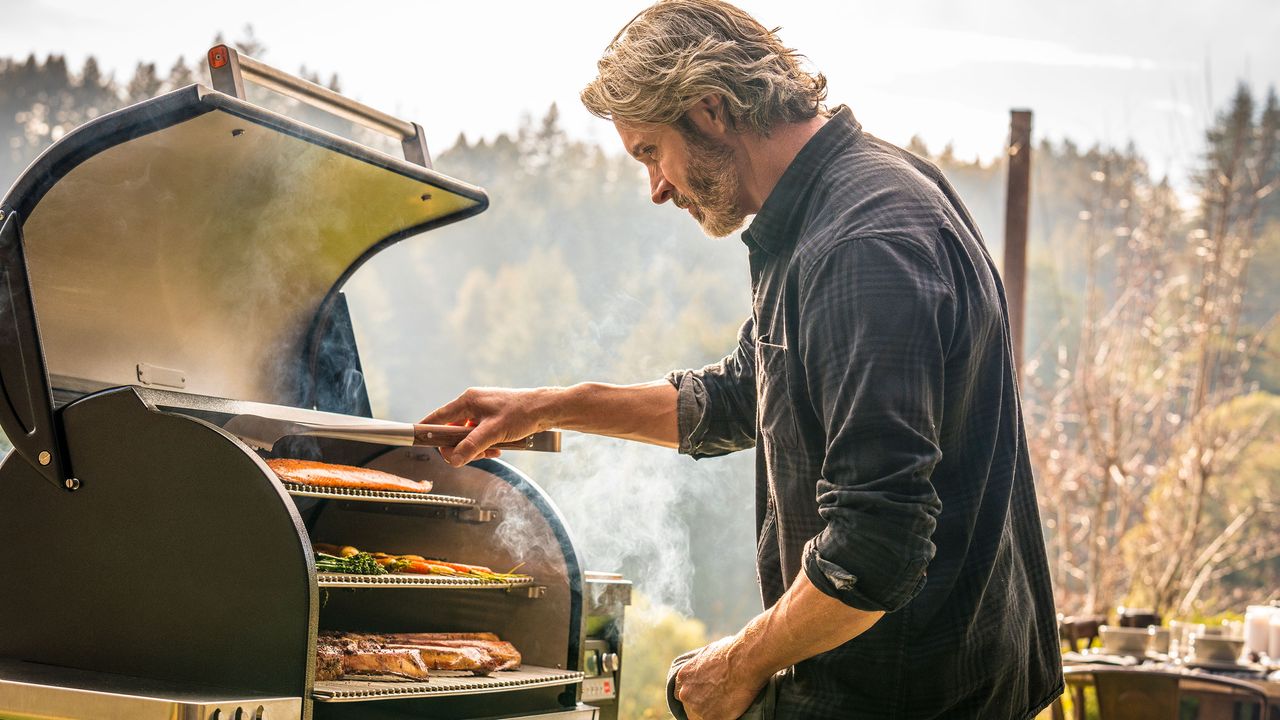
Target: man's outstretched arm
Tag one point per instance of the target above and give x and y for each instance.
(702, 412)
(723, 679)
(645, 412)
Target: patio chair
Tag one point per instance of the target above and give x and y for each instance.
(1075, 629)
(1138, 694)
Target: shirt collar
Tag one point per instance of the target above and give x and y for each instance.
(774, 226)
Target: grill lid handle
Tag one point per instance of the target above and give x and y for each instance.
(26, 405)
(228, 70)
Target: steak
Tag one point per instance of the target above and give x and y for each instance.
(506, 655)
(402, 663)
(411, 655)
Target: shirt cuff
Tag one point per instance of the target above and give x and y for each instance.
(839, 583)
(691, 406)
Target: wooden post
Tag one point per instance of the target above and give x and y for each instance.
(1016, 216)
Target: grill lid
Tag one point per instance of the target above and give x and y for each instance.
(196, 241)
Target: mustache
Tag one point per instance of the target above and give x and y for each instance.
(684, 202)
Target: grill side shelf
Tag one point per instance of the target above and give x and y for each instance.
(443, 684)
(344, 580)
(337, 493)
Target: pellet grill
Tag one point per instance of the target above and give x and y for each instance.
(172, 265)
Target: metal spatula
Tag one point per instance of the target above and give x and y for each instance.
(263, 432)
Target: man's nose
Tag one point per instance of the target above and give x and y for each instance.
(659, 189)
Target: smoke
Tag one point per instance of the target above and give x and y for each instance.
(650, 514)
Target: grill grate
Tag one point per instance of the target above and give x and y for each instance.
(327, 579)
(340, 493)
(443, 683)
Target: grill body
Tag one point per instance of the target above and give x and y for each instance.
(165, 570)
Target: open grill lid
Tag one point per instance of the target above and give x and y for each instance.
(197, 242)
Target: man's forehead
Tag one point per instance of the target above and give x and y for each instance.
(635, 135)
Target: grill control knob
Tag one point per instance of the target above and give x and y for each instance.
(610, 662)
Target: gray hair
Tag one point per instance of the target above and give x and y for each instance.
(676, 52)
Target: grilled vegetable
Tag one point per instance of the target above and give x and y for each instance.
(434, 567)
(358, 564)
(415, 564)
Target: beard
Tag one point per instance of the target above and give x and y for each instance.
(714, 185)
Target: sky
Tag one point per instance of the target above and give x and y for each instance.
(949, 71)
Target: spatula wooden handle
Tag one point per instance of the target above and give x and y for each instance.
(451, 435)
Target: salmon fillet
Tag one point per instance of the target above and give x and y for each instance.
(308, 472)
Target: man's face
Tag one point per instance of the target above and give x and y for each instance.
(693, 171)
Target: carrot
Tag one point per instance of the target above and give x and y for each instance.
(463, 568)
(433, 568)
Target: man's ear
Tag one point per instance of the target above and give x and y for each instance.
(709, 116)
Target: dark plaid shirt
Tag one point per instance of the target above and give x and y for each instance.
(875, 381)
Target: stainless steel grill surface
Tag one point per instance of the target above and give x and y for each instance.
(38, 691)
(443, 683)
(385, 495)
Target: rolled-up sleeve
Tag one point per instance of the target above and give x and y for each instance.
(716, 406)
(876, 317)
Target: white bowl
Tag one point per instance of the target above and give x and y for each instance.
(1124, 641)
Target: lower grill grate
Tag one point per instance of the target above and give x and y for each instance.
(442, 684)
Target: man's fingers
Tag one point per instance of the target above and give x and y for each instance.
(453, 457)
(475, 444)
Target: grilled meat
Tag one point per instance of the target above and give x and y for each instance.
(340, 656)
(436, 637)
(506, 655)
(370, 653)
(441, 657)
(328, 662)
(399, 662)
(307, 472)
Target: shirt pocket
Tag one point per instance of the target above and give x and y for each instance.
(776, 411)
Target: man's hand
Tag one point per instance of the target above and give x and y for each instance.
(715, 685)
(498, 415)
(720, 682)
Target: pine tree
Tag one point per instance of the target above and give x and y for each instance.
(144, 84)
(180, 75)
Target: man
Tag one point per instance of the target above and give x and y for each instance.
(900, 553)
